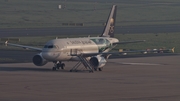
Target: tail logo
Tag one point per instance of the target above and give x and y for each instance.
(111, 30)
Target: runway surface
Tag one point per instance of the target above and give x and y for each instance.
(88, 30)
(125, 79)
(26, 56)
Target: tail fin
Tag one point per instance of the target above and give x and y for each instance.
(110, 24)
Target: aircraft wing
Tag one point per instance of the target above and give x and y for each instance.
(116, 53)
(103, 53)
(125, 42)
(23, 46)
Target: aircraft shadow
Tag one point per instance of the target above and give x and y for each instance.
(15, 69)
(29, 69)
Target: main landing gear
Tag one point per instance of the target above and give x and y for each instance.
(57, 65)
(100, 69)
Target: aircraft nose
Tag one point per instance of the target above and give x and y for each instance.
(51, 56)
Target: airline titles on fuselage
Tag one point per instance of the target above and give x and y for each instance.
(79, 42)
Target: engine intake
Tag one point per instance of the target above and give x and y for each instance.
(38, 60)
(97, 61)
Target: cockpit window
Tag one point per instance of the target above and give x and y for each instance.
(50, 46)
(45, 46)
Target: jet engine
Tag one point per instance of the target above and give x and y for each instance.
(97, 62)
(38, 60)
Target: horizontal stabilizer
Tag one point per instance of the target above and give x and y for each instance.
(126, 42)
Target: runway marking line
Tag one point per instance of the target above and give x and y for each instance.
(131, 63)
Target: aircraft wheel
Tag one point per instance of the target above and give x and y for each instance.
(91, 71)
(62, 66)
(100, 69)
(58, 65)
(54, 68)
(95, 69)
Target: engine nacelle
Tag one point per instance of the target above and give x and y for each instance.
(97, 61)
(38, 60)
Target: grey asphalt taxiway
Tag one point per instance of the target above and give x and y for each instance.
(88, 30)
(124, 79)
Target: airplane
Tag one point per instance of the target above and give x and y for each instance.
(92, 52)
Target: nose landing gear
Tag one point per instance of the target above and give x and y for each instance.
(57, 65)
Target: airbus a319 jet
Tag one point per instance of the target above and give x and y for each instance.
(92, 52)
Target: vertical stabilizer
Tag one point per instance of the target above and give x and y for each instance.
(110, 24)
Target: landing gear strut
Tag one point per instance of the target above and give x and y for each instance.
(57, 65)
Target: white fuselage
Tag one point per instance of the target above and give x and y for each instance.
(63, 49)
